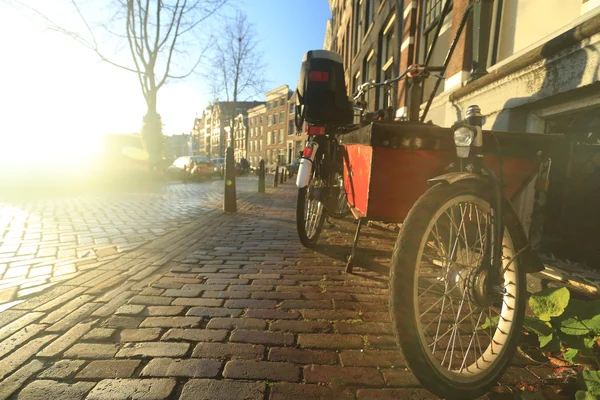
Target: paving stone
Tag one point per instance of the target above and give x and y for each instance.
(119, 321)
(330, 341)
(302, 356)
(151, 300)
(169, 367)
(364, 328)
(11, 384)
(63, 369)
(233, 281)
(20, 356)
(196, 286)
(182, 293)
(73, 318)
(92, 351)
(171, 322)
(139, 335)
(372, 358)
(214, 312)
(240, 294)
(66, 309)
(394, 394)
(237, 323)
(59, 300)
(262, 337)
(164, 310)
(276, 371)
(153, 349)
(399, 377)
(272, 314)
(381, 342)
(197, 302)
(66, 339)
(295, 391)
(99, 334)
(247, 303)
(342, 375)
(130, 309)
(301, 326)
(8, 316)
(196, 335)
(330, 314)
(19, 337)
(19, 324)
(227, 389)
(229, 350)
(276, 295)
(104, 369)
(48, 389)
(138, 389)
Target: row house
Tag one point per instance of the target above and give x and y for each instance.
(256, 128)
(277, 117)
(532, 66)
(241, 137)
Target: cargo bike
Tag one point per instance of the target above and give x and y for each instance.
(458, 270)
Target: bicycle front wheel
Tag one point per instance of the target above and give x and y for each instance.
(458, 333)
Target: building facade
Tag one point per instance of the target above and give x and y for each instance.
(295, 139)
(276, 126)
(256, 137)
(241, 136)
(530, 65)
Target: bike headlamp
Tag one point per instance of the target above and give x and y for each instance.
(463, 138)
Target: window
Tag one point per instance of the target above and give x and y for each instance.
(282, 101)
(270, 120)
(269, 105)
(291, 127)
(281, 136)
(358, 25)
(431, 17)
(369, 75)
(369, 11)
(281, 117)
(292, 108)
(260, 119)
(275, 122)
(386, 59)
(274, 137)
(268, 138)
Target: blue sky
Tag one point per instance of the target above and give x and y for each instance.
(56, 91)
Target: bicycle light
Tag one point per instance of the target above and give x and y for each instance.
(463, 138)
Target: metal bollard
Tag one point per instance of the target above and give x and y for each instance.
(261, 177)
(276, 178)
(229, 200)
(281, 175)
(285, 173)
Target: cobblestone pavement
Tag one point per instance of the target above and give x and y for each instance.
(50, 240)
(226, 307)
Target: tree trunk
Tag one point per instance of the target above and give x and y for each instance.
(152, 131)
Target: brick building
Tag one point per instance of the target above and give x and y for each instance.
(241, 136)
(530, 65)
(295, 140)
(277, 125)
(256, 128)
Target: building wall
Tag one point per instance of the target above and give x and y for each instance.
(256, 132)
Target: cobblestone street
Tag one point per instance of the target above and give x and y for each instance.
(50, 240)
(223, 307)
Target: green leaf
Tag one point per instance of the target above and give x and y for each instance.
(540, 328)
(573, 326)
(544, 340)
(581, 395)
(592, 381)
(589, 342)
(549, 303)
(489, 322)
(570, 355)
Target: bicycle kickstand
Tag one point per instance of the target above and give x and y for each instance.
(349, 264)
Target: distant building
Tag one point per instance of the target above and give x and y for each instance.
(295, 140)
(256, 134)
(179, 145)
(240, 134)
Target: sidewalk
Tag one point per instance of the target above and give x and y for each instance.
(227, 307)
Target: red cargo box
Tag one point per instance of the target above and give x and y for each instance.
(387, 164)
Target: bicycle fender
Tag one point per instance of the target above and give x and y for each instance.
(306, 163)
(453, 177)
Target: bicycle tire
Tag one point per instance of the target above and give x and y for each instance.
(308, 238)
(472, 380)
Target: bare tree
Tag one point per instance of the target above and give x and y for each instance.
(237, 73)
(156, 32)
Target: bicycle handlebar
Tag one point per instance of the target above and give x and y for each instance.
(414, 69)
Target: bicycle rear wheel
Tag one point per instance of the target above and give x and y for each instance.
(458, 335)
(341, 206)
(310, 213)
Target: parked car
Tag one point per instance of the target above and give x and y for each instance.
(196, 167)
(219, 164)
